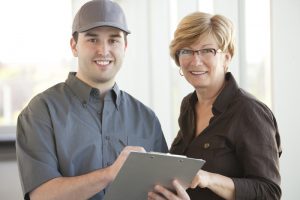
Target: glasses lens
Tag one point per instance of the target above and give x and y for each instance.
(206, 53)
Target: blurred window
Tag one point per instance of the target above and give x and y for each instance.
(34, 52)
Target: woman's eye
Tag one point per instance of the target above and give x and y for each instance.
(207, 51)
(186, 52)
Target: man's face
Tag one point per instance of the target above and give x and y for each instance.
(100, 53)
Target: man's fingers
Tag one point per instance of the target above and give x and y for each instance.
(134, 148)
(137, 148)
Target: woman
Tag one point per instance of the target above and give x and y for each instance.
(219, 122)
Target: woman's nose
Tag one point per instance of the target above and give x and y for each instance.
(197, 59)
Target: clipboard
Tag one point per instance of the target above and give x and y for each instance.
(141, 171)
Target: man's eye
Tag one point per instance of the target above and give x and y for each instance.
(112, 41)
(92, 40)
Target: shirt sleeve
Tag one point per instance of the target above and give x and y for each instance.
(258, 150)
(35, 147)
(160, 142)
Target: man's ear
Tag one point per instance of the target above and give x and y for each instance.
(73, 45)
(126, 44)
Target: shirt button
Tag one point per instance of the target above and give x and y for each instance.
(84, 104)
(206, 145)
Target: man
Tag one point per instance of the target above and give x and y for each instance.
(71, 137)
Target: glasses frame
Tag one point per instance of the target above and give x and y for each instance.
(199, 51)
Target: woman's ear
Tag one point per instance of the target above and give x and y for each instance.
(73, 45)
(227, 60)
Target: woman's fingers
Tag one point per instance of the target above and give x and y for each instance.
(195, 181)
(181, 193)
(161, 193)
(155, 196)
(201, 179)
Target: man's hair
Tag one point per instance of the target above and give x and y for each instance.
(199, 25)
(75, 36)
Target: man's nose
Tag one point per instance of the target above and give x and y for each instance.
(102, 48)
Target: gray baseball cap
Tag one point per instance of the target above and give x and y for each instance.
(99, 13)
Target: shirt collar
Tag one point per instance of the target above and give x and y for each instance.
(117, 92)
(226, 95)
(83, 91)
(224, 98)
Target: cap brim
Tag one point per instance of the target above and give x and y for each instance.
(99, 24)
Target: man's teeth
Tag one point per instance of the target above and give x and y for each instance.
(102, 62)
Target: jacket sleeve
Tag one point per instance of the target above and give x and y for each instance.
(258, 150)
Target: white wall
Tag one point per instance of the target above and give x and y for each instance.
(286, 97)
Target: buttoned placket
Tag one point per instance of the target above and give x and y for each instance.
(107, 112)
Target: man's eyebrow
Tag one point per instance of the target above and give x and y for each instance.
(89, 34)
(115, 35)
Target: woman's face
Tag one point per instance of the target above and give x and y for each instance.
(206, 65)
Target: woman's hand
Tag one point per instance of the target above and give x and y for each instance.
(201, 179)
(161, 193)
(221, 185)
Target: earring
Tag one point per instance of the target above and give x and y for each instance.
(180, 71)
(226, 69)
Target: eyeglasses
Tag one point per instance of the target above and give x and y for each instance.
(204, 53)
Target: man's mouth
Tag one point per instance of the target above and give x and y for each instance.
(103, 62)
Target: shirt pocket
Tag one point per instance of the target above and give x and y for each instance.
(221, 156)
(147, 143)
(220, 147)
(215, 148)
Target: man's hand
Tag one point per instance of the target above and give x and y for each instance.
(116, 166)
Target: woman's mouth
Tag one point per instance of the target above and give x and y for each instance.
(198, 72)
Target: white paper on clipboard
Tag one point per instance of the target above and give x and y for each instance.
(141, 171)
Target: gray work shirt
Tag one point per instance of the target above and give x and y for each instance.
(67, 131)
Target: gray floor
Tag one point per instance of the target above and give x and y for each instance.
(10, 187)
